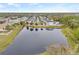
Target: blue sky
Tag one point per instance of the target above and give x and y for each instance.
(39, 7)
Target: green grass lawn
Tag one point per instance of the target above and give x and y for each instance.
(39, 26)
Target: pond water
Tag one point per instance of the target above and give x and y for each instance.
(35, 41)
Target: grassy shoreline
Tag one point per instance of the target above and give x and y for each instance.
(45, 26)
(4, 42)
(70, 38)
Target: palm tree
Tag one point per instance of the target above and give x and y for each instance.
(27, 23)
(36, 23)
(31, 23)
(27, 27)
(41, 23)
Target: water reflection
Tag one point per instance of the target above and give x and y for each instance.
(31, 29)
(36, 29)
(49, 29)
(41, 28)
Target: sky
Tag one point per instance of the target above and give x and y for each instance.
(39, 7)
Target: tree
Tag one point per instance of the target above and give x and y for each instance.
(8, 27)
(22, 23)
(36, 23)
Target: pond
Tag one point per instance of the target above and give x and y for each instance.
(34, 41)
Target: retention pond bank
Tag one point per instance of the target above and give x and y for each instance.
(34, 42)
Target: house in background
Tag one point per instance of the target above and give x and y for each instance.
(3, 24)
(12, 20)
(23, 18)
(51, 22)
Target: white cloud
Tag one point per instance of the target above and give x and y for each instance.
(33, 4)
(14, 4)
(36, 7)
